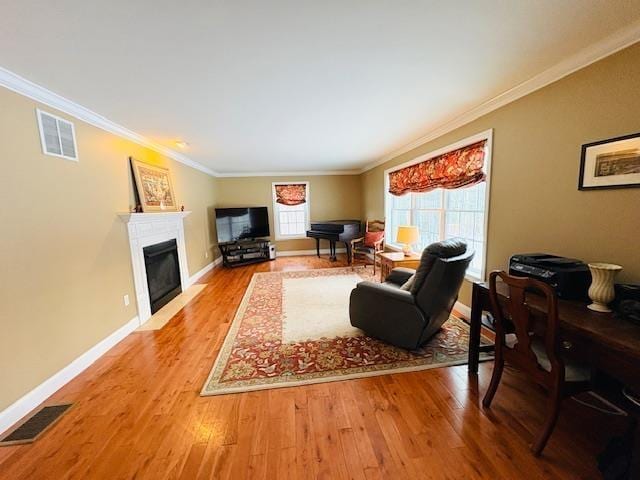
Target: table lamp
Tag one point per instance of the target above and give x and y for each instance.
(407, 235)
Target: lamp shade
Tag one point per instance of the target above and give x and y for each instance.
(407, 234)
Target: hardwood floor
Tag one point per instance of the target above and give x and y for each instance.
(138, 414)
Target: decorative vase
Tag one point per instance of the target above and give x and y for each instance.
(601, 291)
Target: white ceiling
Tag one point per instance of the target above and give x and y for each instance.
(286, 85)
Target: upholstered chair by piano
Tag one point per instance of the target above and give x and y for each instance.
(411, 305)
(365, 248)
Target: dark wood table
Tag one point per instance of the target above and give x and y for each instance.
(600, 340)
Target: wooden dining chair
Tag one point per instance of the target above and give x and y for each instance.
(365, 248)
(534, 347)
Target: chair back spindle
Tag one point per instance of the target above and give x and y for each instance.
(374, 226)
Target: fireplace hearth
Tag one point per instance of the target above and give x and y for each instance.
(163, 273)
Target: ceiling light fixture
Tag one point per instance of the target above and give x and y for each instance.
(182, 144)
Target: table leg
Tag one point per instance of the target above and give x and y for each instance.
(318, 247)
(332, 251)
(348, 246)
(475, 328)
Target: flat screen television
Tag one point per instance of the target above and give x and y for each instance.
(235, 224)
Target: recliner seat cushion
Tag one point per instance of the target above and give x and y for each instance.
(444, 249)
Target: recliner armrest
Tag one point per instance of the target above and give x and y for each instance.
(393, 293)
(400, 275)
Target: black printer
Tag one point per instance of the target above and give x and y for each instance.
(569, 277)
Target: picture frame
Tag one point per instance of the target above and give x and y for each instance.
(154, 187)
(611, 163)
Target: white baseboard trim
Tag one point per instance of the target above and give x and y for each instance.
(463, 309)
(196, 276)
(293, 253)
(18, 409)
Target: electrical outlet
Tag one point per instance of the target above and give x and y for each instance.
(126, 300)
(206, 254)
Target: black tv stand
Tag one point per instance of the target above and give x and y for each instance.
(245, 252)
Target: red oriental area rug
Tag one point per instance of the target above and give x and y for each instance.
(292, 328)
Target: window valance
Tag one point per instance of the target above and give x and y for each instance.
(291, 194)
(455, 169)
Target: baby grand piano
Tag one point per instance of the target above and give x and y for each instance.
(335, 231)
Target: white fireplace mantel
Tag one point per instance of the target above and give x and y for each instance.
(148, 229)
(129, 217)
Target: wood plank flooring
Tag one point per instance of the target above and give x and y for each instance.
(138, 414)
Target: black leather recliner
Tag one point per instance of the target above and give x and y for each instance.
(408, 317)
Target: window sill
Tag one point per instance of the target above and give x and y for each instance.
(469, 277)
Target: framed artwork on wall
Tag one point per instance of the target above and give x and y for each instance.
(154, 187)
(612, 163)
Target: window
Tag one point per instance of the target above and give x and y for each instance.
(291, 209)
(441, 214)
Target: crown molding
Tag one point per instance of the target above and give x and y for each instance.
(619, 40)
(27, 88)
(597, 51)
(299, 173)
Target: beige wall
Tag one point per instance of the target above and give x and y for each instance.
(64, 252)
(331, 197)
(535, 204)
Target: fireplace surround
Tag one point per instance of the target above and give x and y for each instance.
(146, 230)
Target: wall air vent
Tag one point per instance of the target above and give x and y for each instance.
(57, 135)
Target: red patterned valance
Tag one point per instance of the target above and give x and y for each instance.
(291, 194)
(459, 168)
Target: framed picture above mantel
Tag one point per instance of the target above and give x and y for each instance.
(612, 163)
(154, 187)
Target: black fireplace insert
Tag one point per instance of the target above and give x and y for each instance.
(163, 273)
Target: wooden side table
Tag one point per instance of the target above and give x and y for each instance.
(391, 260)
